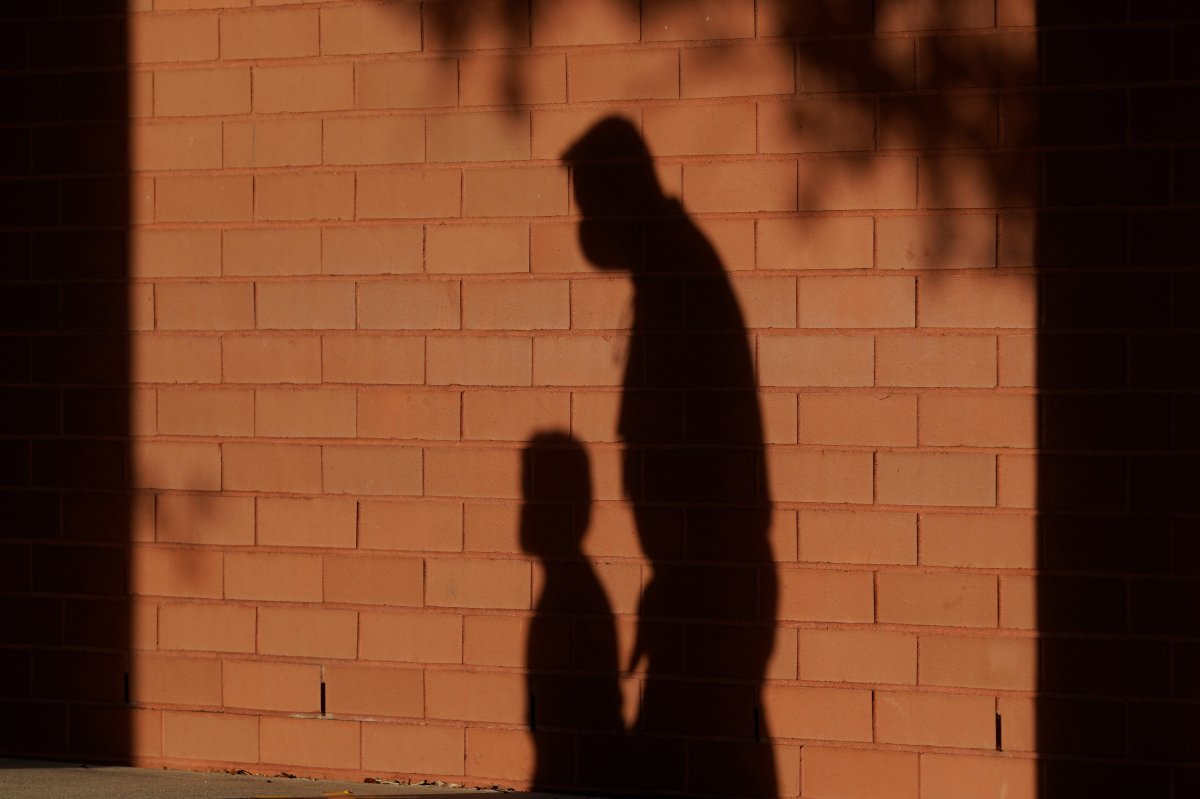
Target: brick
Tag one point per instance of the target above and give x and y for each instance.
(372, 250)
(407, 414)
(217, 198)
(727, 129)
(978, 181)
(864, 656)
(176, 464)
(579, 360)
(937, 242)
(397, 305)
(930, 478)
(829, 714)
(1006, 664)
(858, 419)
(304, 413)
(821, 476)
(826, 595)
(353, 690)
(858, 537)
(271, 359)
(1018, 480)
(515, 191)
(478, 136)
(374, 580)
(272, 252)
(507, 754)
(162, 679)
(1004, 59)
(269, 34)
(176, 145)
(601, 304)
(374, 28)
(733, 70)
(859, 773)
(935, 719)
(470, 583)
(817, 126)
(487, 80)
(476, 25)
(495, 640)
(939, 121)
(304, 196)
(979, 541)
(979, 301)
(490, 473)
(204, 519)
(555, 130)
(296, 522)
(480, 361)
(308, 87)
(475, 696)
(857, 302)
(321, 743)
(206, 628)
(417, 194)
(423, 749)
(410, 637)
(814, 243)
(174, 37)
(766, 302)
(374, 140)
(175, 359)
(477, 248)
(206, 412)
(282, 468)
(1019, 602)
(273, 142)
(853, 182)
(662, 20)
(273, 576)
(584, 22)
(305, 306)
(224, 737)
(830, 66)
(512, 415)
(1017, 356)
(204, 306)
(289, 687)
(961, 600)
(746, 186)
(816, 360)
(945, 776)
(378, 359)
(176, 572)
(175, 253)
(956, 361)
(516, 305)
(372, 470)
(958, 420)
(912, 15)
(427, 83)
(202, 92)
(623, 75)
(423, 526)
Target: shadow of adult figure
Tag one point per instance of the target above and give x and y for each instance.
(694, 472)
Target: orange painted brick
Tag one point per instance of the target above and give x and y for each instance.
(938, 121)
(470, 583)
(375, 140)
(947, 600)
(392, 471)
(579, 360)
(476, 25)
(935, 719)
(663, 20)
(204, 198)
(307, 87)
(202, 92)
(140, 95)
(475, 696)
(744, 186)
(321, 743)
(172, 37)
(1018, 240)
(176, 145)
(766, 301)
(512, 415)
(378, 359)
(410, 637)
(844, 536)
(623, 75)
(825, 714)
(1017, 476)
(426, 83)
(283, 468)
(555, 130)
(933, 478)
(416, 526)
(353, 690)
(782, 533)
(297, 522)
(733, 240)
(206, 628)
(271, 359)
(141, 196)
(859, 773)
(859, 419)
(937, 242)
(175, 359)
(143, 624)
(412, 749)
(480, 361)
(406, 305)
(1019, 602)
(954, 361)
(733, 70)
(492, 528)
(815, 126)
(289, 687)
(779, 417)
(487, 80)
(304, 412)
(478, 136)
(204, 519)
(835, 243)
(866, 656)
(700, 130)
(1006, 664)
(305, 306)
(174, 571)
(490, 473)
(224, 737)
(308, 632)
(495, 640)
(477, 248)
(374, 28)
(984, 420)
(585, 22)
(857, 302)
(853, 182)
(913, 15)
(500, 754)
(402, 413)
(374, 580)
(204, 306)
(304, 196)
(175, 253)
(979, 301)
(595, 415)
(1017, 356)
(175, 464)
(273, 142)
(515, 191)
(272, 252)
(978, 181)
(372, 250)
(826, 595)
(516, 305)
(290, 33)
(206, 411)
(1019, 717)
(948, 776)
(812, 360)
(171, 680)
(979, 541)
(273, 576)
(412, 193)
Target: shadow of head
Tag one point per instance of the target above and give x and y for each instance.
(557, 479)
